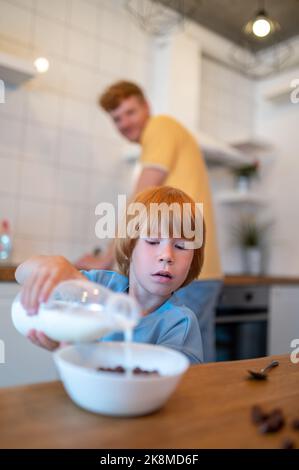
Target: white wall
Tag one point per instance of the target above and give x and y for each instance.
(278, 121)
(233, 108)
(175, 78)
(59, 154)
(227, 102)
(227, 112)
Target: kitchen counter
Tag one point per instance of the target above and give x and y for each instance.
(247, 280)
(7, 274)
(211, 408)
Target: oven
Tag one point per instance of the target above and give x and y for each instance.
(241, 322)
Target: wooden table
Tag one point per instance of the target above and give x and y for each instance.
(210, 409)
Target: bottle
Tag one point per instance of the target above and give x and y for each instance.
(79, 311)
(5, 241)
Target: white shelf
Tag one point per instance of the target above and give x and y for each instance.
(258, 149)
(15, 71)
(237, 197)
(217, 152)
(253, 146)
(278, 93)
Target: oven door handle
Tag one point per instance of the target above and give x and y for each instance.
(242, 318)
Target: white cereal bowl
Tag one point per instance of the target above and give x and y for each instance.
(119, 394)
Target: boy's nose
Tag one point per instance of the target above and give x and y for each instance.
(166, 256)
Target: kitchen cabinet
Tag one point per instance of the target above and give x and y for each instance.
(22, 362)
(283, 319)
(241, 304)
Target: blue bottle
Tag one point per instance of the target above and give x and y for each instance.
(5, 241)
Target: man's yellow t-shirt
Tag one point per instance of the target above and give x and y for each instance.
(168, 145)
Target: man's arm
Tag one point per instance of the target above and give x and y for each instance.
(149, 176)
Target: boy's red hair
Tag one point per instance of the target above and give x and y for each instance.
(159, 195)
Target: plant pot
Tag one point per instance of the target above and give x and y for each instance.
(252, 260)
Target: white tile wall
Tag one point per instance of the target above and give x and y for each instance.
(49, 36)
(102, 148)
(84, 16)
(11, 133)
(59, 153)
(74, 223)
(41, 143)
(80, 83)
(227, 102)
(44, 107)
(24, 247)
(76, 150)
(56, 9)
(15, 22)
(113, 27)
(112, 57)
(15, 102)
(34, 219)
(76, 115)
(8, 207)
(72, 186)
(81, 48)
(41, 188)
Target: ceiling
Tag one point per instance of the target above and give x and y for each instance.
(227, 17)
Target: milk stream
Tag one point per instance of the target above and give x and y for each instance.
(128, 334)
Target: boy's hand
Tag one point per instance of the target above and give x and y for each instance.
(40, 339)
(44, 274)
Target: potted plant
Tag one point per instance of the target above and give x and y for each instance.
(250, 236)
(244, 175)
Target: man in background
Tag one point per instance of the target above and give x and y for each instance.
(169, 156)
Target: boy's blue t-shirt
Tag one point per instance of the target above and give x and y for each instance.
(171, 324)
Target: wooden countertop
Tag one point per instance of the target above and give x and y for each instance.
(210, 409)
(248, 280)
(7, 274)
